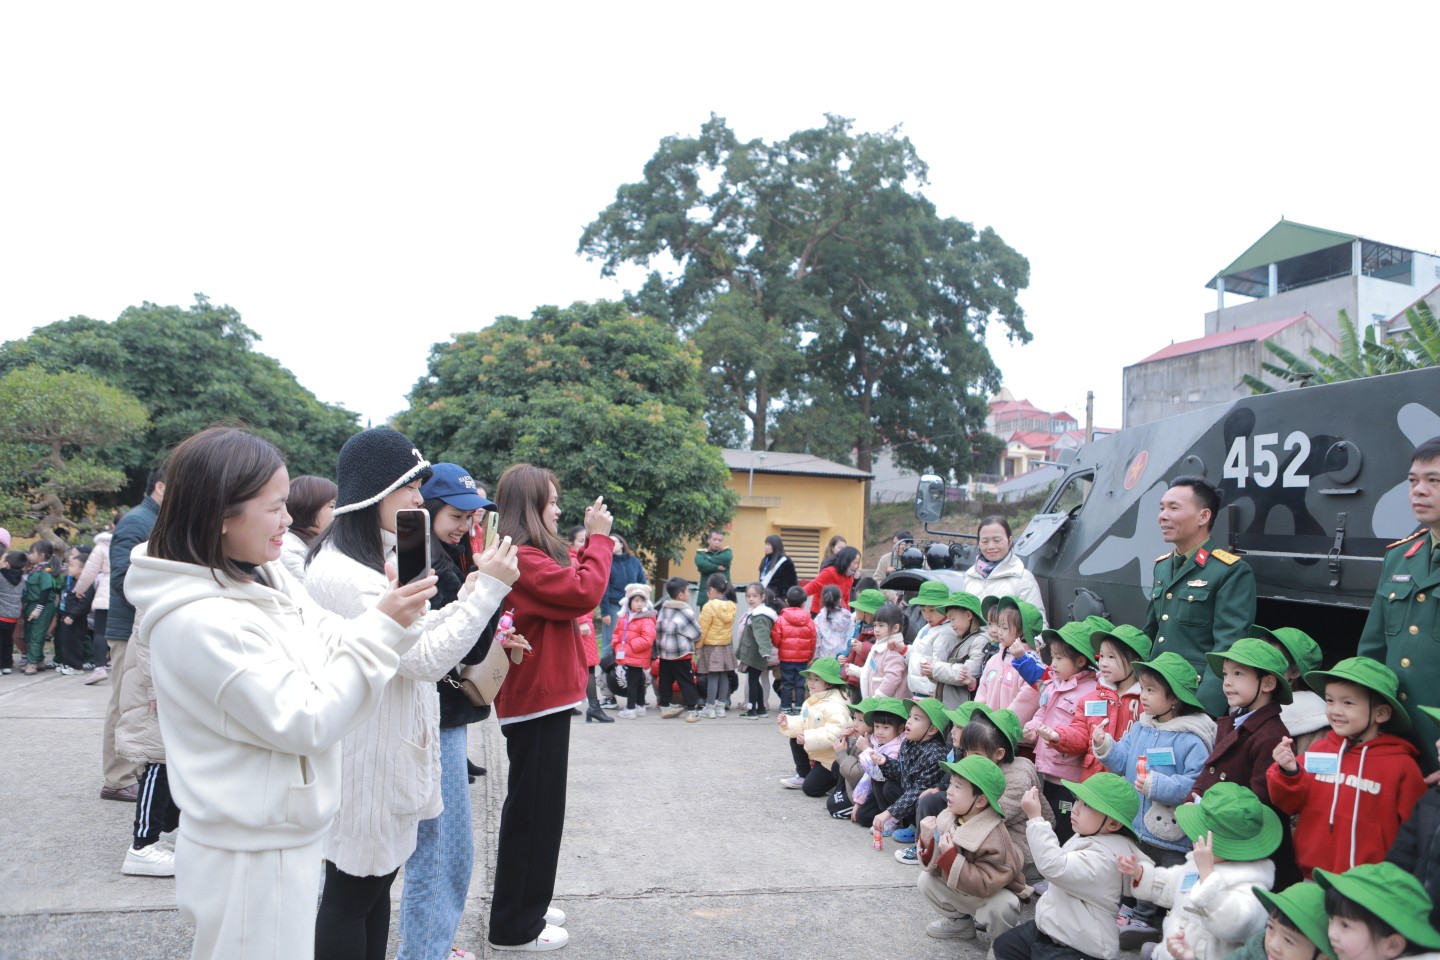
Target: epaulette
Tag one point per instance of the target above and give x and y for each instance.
(1224, 556)
(1391, 546)
(1165, 556)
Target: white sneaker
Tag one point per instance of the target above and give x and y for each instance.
(551, 938)
(639, 712)
(97, 675)
(65, 671)
(626, 714)
(156, 860)
(709, 712)
(720, 711)
(792, 782)
(555, 917)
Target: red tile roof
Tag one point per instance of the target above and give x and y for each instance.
(1226, 338)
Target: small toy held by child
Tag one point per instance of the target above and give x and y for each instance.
(1358, 783)
(816, 733)
(1210, 895)
(754, 650)
(1377, 912)
(972, 870)
(794, 638)
(1075, 916)
(634, 645)
(883, 673)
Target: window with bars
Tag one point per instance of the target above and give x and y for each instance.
(802, 546)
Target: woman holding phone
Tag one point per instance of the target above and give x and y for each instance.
(257, 686)
(391, 776)
(534, 704)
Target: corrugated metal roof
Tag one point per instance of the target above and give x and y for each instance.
(800, 464)
(1283, 241)
(1226, 338)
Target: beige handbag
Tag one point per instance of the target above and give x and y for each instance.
(480, 682)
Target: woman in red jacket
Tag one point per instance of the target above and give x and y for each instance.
(839, 570)
(535, 701)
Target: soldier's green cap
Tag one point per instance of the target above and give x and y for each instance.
(984, 773)
(963, 600)
(1242, 827)
(1258, 655)
(868, 601)
(1390, 893)
(1300, 648)
(932, 708)
(887, 708)
(1125, 635)
(1178, 675)
(1303, 904)
(1370, 674)
(1003, 720)
(961, 715)
(1109, 793)
(864, 706)
(1075, 634)
(932, 593)
(827, 669)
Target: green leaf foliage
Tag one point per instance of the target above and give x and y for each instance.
(1359, 356)
(608, 400)
(190, 368)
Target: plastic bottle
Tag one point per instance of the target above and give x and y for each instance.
(879, 840)
(1140, 767)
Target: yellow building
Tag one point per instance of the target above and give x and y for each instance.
(804, 499)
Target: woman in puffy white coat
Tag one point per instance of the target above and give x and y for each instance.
(997, 572)
(391, 776)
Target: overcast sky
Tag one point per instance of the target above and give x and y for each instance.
(362, 181)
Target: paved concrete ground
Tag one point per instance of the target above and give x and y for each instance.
(679, 842)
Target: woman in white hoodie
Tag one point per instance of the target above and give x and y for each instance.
(255, 686)
(997, 572)
(392, 768)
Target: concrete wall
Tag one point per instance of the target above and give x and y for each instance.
(824, 505)
(1323, 301)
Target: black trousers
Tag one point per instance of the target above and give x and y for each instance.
(99, 649)
(634, 686)
(756, 693)
(155, 810)
(353, 922)
(818, 778)
(675, 672)
(70, 641)
(1026, 942)
(882, 794)
(532, 822)
(1058, 796)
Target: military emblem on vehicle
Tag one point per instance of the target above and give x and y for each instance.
(1136, 470)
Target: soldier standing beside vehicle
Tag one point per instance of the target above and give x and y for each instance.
(1203, 598)
(1403, 627)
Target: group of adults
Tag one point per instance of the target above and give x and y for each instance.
(298, 691)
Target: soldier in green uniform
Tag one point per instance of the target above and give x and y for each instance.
(1403, 629)
(1203, 598)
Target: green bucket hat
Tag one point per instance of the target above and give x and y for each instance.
(961, 715)
(1370, 674)
(864, 706)
(1032, 621)
(827, 669)
(984, 773)
(1258, 654)
(887, 706)
(933, 709)
(932, 594)
(1109, 793)
(1243, 827)
(1003, 720)
(1076, 634)
(965, 601)
(1303, 904)
(868, 601)
(1300, 647)
(1178, 675)
(1390, 893)
(1124, 634)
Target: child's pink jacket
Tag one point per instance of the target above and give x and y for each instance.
(1059, 699)
(1002, 688)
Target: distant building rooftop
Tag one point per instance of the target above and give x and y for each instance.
(1304, 255)
(1226, 338)
(798, 464)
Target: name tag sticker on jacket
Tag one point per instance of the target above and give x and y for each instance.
(1322, 763)
(1097, 708)
(1400, 578)
(1161, 756)
(1189, 880)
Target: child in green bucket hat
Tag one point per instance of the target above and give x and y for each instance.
(972, 871)
(1015, 624)
(954, 663)
(1075, 916)
(918, 767)
(880, 786)
(1296, 929)
(1065, 678)
(1210, 895)
(1355, 786)
(1304, 716)
(996, 734)
(1377, 912)
(818, 732)
(936, 632)
(1160, 755)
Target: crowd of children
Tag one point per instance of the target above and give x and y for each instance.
(40, 605)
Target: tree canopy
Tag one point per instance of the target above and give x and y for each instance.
(190, 368)
(823, 289)
(607, 399)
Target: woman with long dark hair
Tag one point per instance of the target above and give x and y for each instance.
(256, 685)
(392, 761)
(777, 571)
(535, 702)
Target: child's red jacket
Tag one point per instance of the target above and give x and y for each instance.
(794, 636)
(1353, 818)
(1121, 709)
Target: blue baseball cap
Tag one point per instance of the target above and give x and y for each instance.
(453, 484)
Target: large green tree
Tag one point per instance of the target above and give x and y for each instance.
(824, 289)
(607, 399)
(49, 424)
(189, 367)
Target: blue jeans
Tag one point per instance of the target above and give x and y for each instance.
(437, 875)
(606, 631)
(792, 685)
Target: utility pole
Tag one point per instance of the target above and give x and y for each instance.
(1089, 416)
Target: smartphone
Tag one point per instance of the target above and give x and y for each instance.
(412, 544)
(492, 528)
